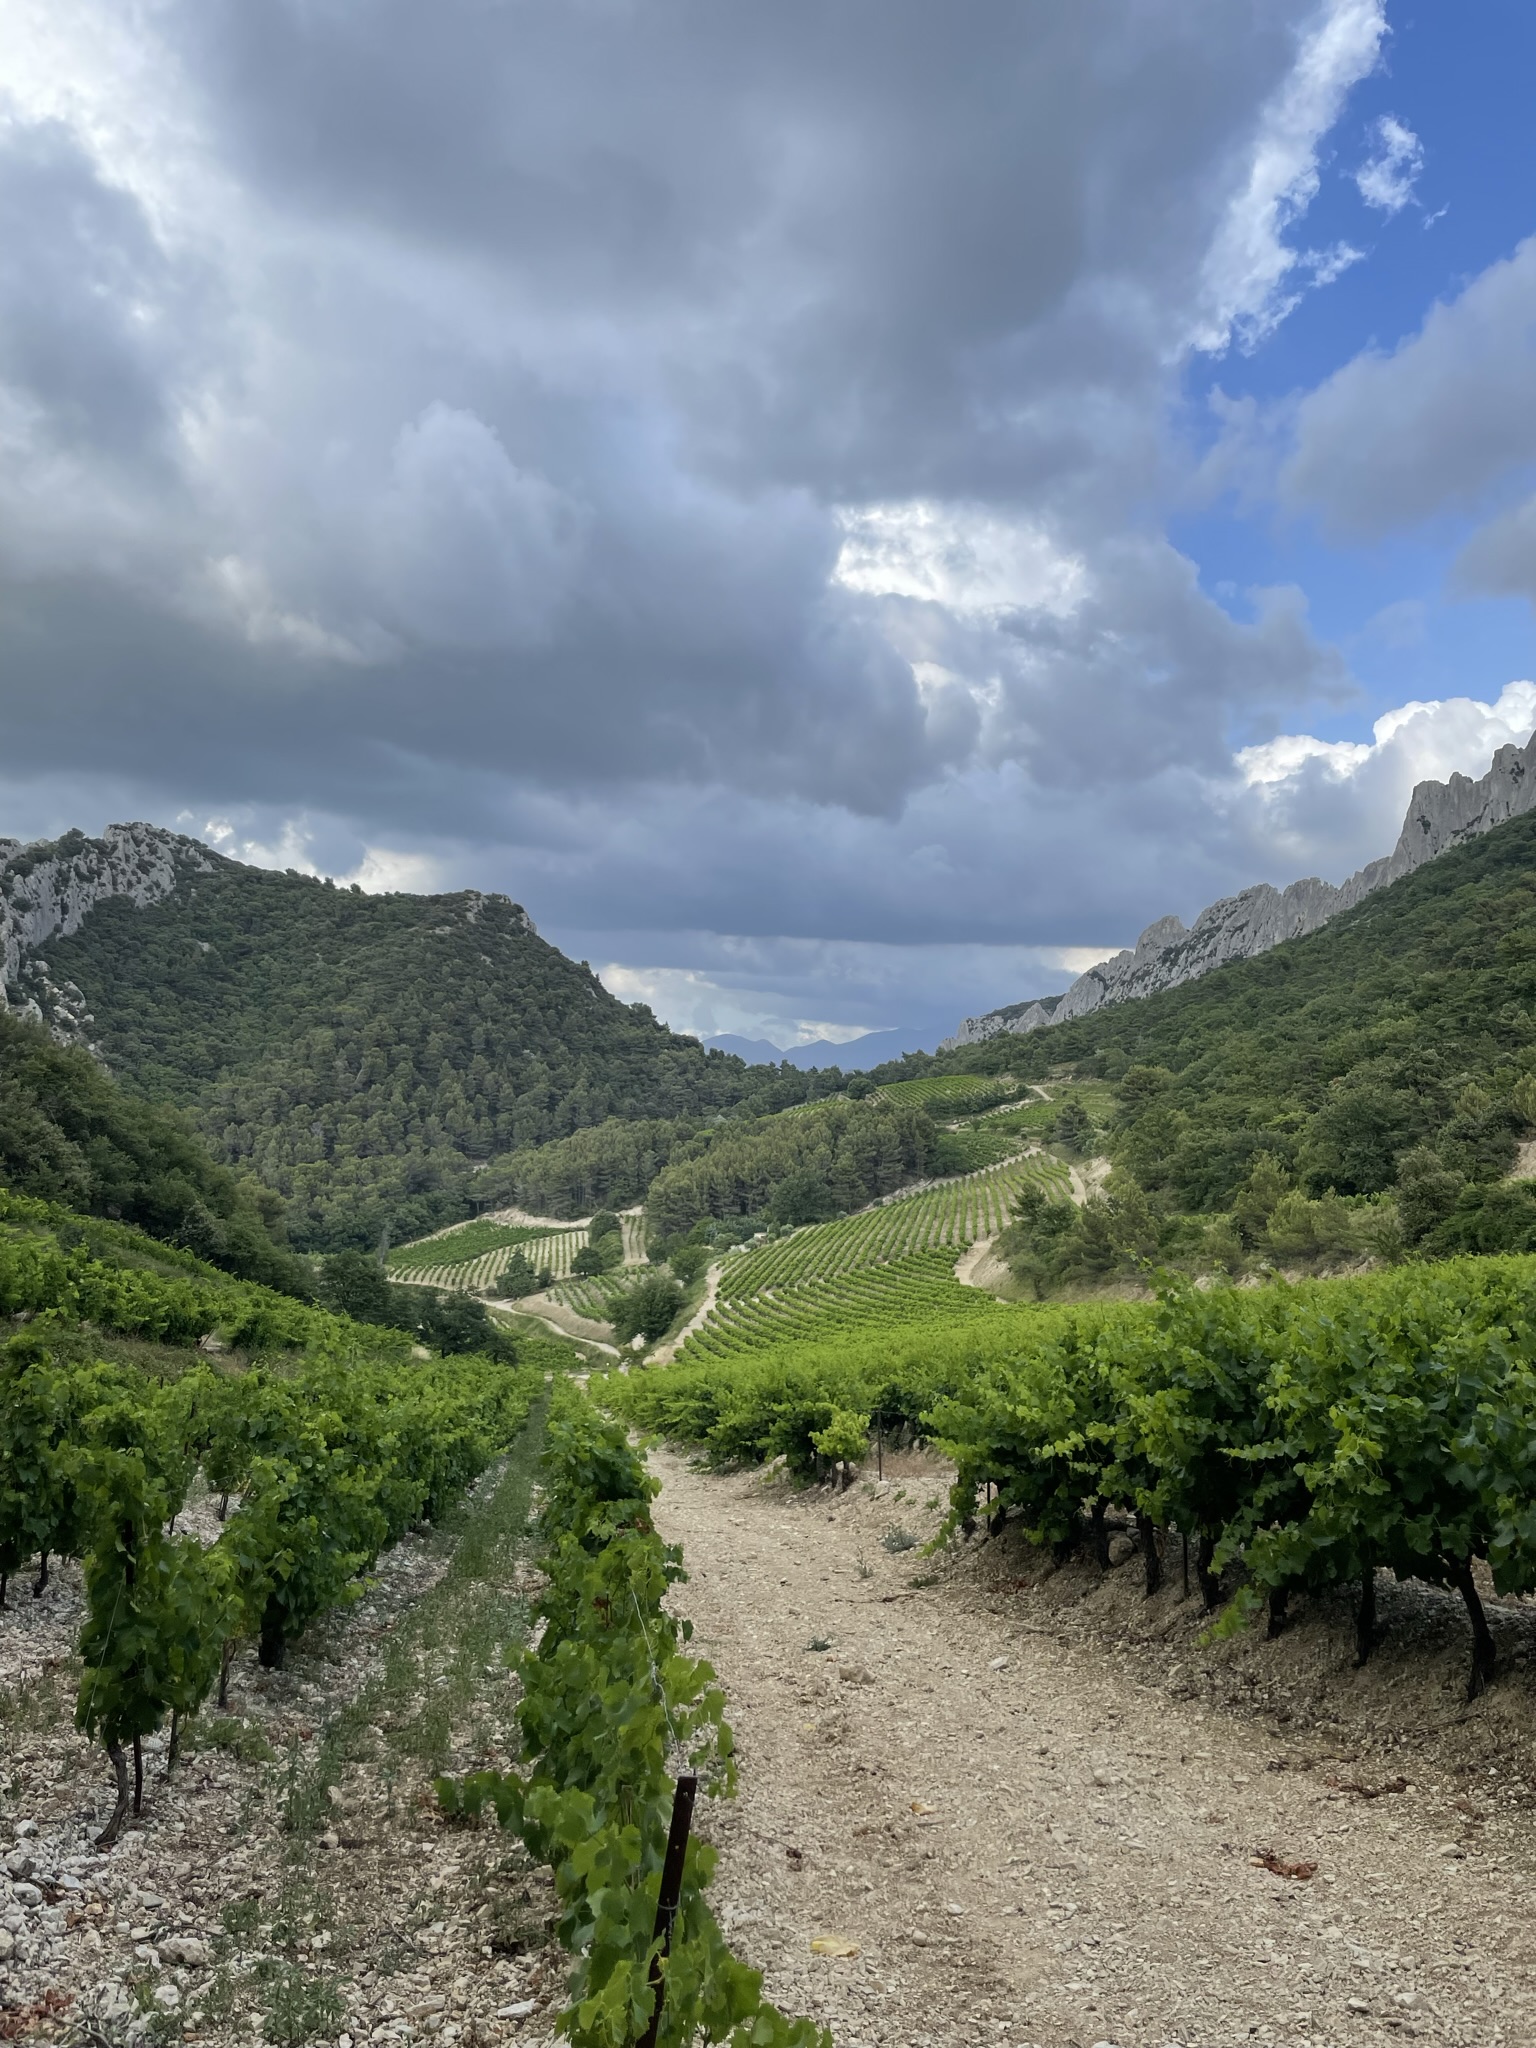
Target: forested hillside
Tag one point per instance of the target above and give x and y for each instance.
(364, 1055)
(684, 1169)
(1392, 1053)
(69, 1135)
(792, 1169)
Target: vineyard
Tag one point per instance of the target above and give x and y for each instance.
(469, 1243)
(614, 1713)
(1297, 1438)
(331, 1442)
(325, 1443)
(877, 1270)
(473, 1258)
(917, 1288)
(553, 1252)
(594, 1297)
(953, 1213)
(953, 1094)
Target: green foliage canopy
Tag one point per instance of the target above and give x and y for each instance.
(1394, 1050)
(368, 1056)
(68, 1134)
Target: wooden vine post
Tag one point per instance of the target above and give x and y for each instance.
(669, 1895)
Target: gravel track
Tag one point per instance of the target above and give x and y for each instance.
(1021, 1797)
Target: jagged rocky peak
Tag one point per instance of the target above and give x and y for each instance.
(52, 885)
(1440, 815)
(1017, 1017)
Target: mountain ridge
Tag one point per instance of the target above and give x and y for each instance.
(366, 1056)
(1168, 953)
(850, 1056)
(363, 1055)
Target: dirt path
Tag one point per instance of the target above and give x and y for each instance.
(696, 1321)
(1028, 1840)
(980, 1266)
(563, 1321)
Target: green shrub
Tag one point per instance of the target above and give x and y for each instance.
(844, 1439)
(648, 1310)
(688, 1261)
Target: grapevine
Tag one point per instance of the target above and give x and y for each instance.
(1303, 1437)
(612, 1706)
(329, 1457)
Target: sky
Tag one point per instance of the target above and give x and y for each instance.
(846, 511)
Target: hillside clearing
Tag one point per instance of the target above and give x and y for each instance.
(991, 1790)
(563, 1321)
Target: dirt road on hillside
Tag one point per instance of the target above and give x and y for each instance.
(1027, 1840)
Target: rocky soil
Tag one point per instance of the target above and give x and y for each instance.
(986, 1801)
(982, 1801)
(290, 1880)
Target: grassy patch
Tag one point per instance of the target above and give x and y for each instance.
(444, 1649)
(228, 1732)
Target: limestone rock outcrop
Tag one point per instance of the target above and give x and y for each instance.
(51, 886)
(1440, 815)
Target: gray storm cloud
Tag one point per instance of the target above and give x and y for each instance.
(463, 424)
(1395, 437)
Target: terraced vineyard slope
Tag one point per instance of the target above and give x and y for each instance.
(594, 1297)
(473, 1258)
(462, 1247)
(954, 1212)
(554, 1251)
(913, 1289)
(944, 1095)
(880, 1269)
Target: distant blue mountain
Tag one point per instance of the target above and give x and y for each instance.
(757, 1052)
(872, 1050)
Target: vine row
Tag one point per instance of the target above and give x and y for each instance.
(613, 1709)
(328, 1457)
(1303, 1437)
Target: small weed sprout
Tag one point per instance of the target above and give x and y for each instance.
(897, 1539)
(218, 2002)
(301, 2007)
(241, 1920)
(227, 1732)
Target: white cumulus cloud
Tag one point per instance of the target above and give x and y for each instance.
(975, 562)
(1331, 805)
(1386, 179)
